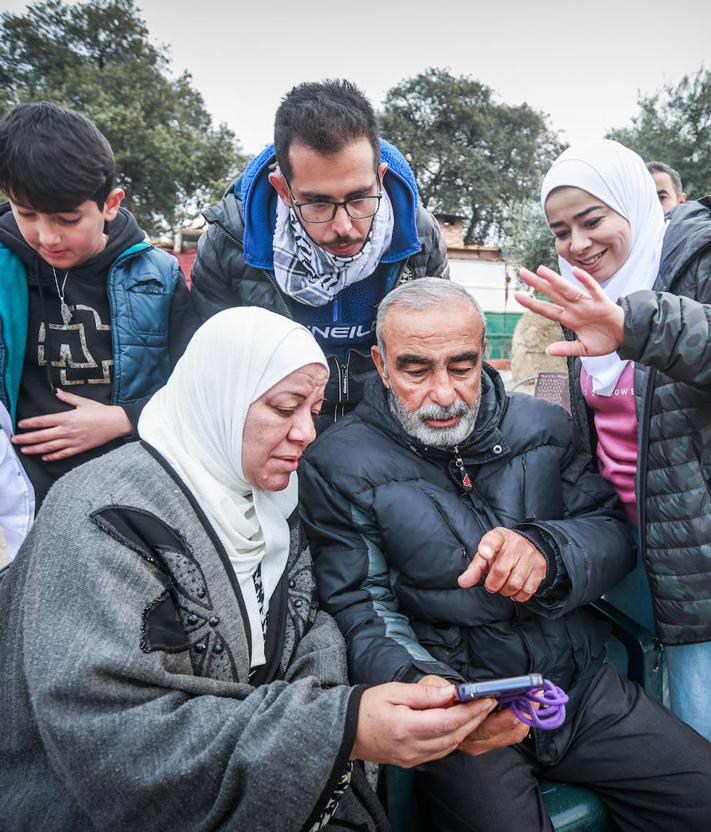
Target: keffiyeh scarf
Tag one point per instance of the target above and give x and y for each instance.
(309, 274)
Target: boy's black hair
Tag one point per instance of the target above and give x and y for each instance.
(53, 159)
(325, 117)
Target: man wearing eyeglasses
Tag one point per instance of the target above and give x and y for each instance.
(320, 227)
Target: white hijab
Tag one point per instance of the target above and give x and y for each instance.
(196, 422)
(617, 175)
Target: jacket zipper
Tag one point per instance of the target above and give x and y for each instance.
(465, 555)
(459, 462)
(345, 369)
(641, 491)
(642, 453)
(115, 393)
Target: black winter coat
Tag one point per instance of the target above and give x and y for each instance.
(391, 528)
(667, 333)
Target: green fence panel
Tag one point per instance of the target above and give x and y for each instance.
(499, 332)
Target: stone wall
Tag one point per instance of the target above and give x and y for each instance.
(528, 348)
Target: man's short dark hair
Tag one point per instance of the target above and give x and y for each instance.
(53, 159)
(325, 117)
(660, 167)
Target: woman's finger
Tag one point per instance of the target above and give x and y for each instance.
(592, 287)
(566, 348)
(535, 282)
(556, 289)
(563, 290)
(549, 310)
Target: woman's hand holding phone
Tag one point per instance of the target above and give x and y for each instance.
(408, 724)
(498, 730)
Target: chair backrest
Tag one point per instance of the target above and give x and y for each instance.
(553, 387)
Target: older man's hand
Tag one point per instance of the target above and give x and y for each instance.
(513, 565)
(499, 729)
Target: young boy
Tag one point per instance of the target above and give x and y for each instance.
(92, 317)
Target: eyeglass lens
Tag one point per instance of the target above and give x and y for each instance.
(358, 209)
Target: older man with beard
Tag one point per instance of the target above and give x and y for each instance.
(458, 534)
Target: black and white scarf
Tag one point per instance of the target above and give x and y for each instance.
(310, 275)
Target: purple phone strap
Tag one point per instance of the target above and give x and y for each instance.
(551, 701)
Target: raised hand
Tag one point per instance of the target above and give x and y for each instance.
(595, 319)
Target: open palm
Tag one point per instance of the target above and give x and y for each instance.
(593, 317)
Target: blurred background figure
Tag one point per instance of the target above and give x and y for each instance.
(668, 184)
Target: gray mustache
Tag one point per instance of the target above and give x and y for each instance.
(436, 411)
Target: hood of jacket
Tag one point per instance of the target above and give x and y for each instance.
(688, 232)
(259, 204)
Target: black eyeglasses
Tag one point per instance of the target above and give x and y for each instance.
(358, 208)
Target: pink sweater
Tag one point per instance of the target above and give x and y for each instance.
(616, 426)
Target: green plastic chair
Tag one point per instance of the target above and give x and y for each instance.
(635, 653)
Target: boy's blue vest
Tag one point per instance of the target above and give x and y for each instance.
(141, 283)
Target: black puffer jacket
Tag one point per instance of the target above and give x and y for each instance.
(668, 336)
(391, 528)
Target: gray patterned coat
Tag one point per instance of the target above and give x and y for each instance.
(668, 336)
(124, 673)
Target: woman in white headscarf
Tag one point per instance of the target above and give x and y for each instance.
(633, 296)
(163, 662)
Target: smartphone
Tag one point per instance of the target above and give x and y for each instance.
(498, 687)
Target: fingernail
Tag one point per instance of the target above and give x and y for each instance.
(485, 550)
(445, 694)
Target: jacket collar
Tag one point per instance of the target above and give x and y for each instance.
(485, 443)
(259, 202)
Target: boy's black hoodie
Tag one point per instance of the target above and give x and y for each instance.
(79, 359)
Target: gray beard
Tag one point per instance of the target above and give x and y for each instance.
(443, 438)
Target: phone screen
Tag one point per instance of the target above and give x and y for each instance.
(498, 687)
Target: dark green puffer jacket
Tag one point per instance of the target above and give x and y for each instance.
(668, 336)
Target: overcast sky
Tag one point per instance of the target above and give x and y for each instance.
(582, 61)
